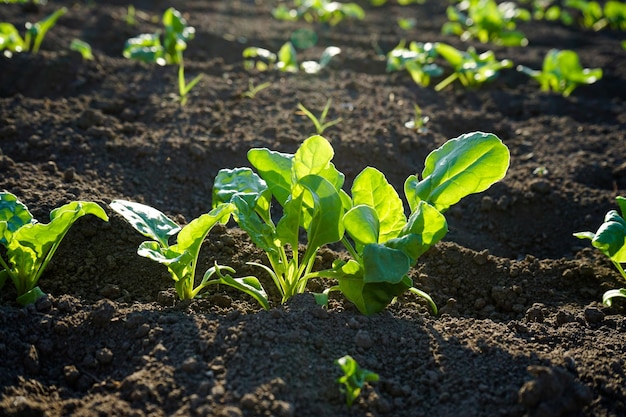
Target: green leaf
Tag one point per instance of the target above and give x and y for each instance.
(147, 220)
(261, 233)
(384, 264)
(31, 296)
(275, 168)
(371, 188)
(465, 165)
(191, 236)
(145, 48)
(244, 183)
(610, 238)
(287, 59)
(10, 38)
(13, 215)
(325, 226)
(428, 222)
(249, 285)
(362, 223)
(371, 298)
(312, 157)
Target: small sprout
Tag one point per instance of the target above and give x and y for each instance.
(131, 15)
(353, 378)
(487, 21)
(30, 245)
(322, 11)
(83, 48)
(11, 41)
(540, 171)
(418, 60)
(254, 90)
(610, 239)
(562, 72)
(407, 23)
(320, 124)
(418, 123)
(183, 87)
(470, 68)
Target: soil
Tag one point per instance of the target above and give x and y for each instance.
(521, 331)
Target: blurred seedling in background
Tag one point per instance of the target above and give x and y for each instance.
(562, 72)
(418, 59)
(418, 123)
(320, 123)
(83, 48)
(253, 90)
(286, 59)
(354, 378)
(321, 11)
(470, 68)
(11, 41)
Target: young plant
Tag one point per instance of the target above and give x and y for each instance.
(487, 21)
(253, 90)
(183, 87)
(418, 123)
(322, 11)
(285, 60)
(181, 259)
(320, 124)
(591, 16)
(308, 188)
(470, 68)
(384, 244)
(562, 72)
(371, 223)
(610, 239)
(148, 48)
(354, 378)
(11, 41)
(30, 245)
(550, 10)
(418, 59)
(83, 48)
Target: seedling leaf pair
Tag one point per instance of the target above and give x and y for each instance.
(354, 378)
(30, 245)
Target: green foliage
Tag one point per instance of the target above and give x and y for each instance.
(353, 378)
(377, 3)
(285, 60)
(322, 11)
(610, 239)
(253, 90)
(371, 223)
(30, 245)
(183, 87)
(562, 72)
(149, 48)
(470, 68)
(487, 21)
(181, 259)
(418, 59)
(83, 48)
(550, 10)
(11, 41)
(320, 124)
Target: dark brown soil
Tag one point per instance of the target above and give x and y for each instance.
(521, 330)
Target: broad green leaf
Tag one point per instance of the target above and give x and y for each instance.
(10, 38)
(465, 165)
(261, 234)
(191, 236)
(179, 264)
(13, 215)
(371, 188)
(384, 264)
(245, 183)
(371, 298)
(325, 226)
(287, 58)
(31, 296)
(362, 223)
(611, 237)
(312, 157)
(428, 222)
(288, 227)
(147, 220)
(275, 168)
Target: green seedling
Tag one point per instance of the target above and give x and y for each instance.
(487, 21)
(131, 15)
(615, 14)
(11, 41)
(181, 259)
(371, 223)
(377, 3)
(30, 245)
(354, 378)
(550, 10)
(562, 72)
(418, 59)
(591, 16)
(285, 60)
(418, 123)
(610, 239)
(183, 87)
(407, 23)
(384, 244)
(253, 90)
(320, 124)
(322, 11)
(470, 68)
(149, 48)
(83, 48)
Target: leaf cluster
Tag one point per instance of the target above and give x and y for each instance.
(562, 72)
(354, 378)
(30, 245)
(322, 11)
(286, 59)
(12, 42)
(610, 239)
(487, 21)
